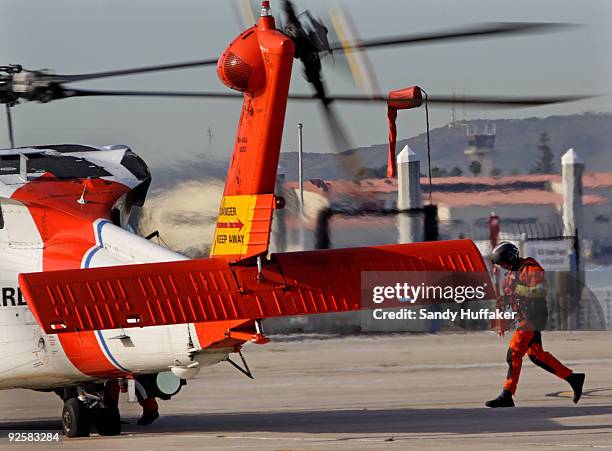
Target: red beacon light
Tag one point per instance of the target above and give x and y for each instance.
(265, 9)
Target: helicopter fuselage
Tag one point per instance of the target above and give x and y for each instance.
(65, 207)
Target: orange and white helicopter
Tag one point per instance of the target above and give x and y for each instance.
(86, 304)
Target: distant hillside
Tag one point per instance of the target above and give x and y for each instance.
(516, 145)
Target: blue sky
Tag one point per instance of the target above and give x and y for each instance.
(73, 36)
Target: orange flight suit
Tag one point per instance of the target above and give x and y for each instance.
(526, 290)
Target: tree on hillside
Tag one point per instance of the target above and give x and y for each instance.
(438, 172)
(545, 162)
(475, 168)
(456, 172)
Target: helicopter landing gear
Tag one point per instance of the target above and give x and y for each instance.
(107, 420)
(83, 409)
(75, 419)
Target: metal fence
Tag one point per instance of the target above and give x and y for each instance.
(509, 230)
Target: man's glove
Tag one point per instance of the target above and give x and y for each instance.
(524, 291)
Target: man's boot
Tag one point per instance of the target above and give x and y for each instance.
(150, 412)
(576, 381)
(503, 400)
(148, 418)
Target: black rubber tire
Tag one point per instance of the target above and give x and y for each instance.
(107, 421)
(75, 419)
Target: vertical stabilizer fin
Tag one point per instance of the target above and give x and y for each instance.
(257, 63)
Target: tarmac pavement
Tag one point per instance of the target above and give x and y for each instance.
(364, 392)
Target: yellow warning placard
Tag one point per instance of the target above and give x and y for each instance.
(234, 225)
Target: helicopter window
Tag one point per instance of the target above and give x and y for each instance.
(9, 164)
(116, 217)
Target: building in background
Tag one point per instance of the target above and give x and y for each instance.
(481, 150)
(525, 204)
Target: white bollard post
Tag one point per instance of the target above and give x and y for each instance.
(572, 169)
(573, 225)
(410, 227)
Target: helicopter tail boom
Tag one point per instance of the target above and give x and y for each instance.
(205, 290)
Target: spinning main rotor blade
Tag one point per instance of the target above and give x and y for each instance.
(69, 92)
(350, 163)
(132, 71)
(484, 101)
(467, 32)
(478, 30)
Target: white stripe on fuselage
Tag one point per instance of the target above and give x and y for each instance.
(140, 349)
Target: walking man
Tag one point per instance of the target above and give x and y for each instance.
(524, 287)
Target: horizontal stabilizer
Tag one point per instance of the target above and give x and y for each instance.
(295, 283)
